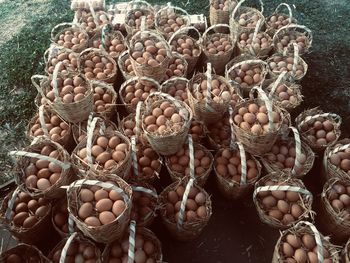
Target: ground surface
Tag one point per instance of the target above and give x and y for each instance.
(234, 234)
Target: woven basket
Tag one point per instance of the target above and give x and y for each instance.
(230, 188)
(64, 27)
(184, 231)
(71, 112)
(258, 144)
(55, 54)
(90, 52)
(60, 252)
(289, 184)
(163, 14)
(202, 178)
(58, 207)
(329, 169)
(32, 152)
(310, 115)
(271, 29)
(39, 120)
(145, 81)
(220, 16)
(219, 133)
(182, 72)
(336, 224)
(301, 148)
(32, 235)
(141, 70)
(105, 233)
(297, 31)
(124, 56)
(186, 33)
(138, 6)
(81, 17)
(167, 144)
(212, 107)
(130, 236)
(240, 60)
(122, 170)
(345, 253)
(300, 229)
(218, 61)
(110, 108)
(26, 252)
(170, 87)
(236, 13)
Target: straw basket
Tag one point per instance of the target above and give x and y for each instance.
(279, 182)
(91, 21)
(55, 54)
(24, 252)
(108, 232)
(125, 66)
(273, 23)
(109, 107)
(219, 15)
(61, 207)
(176, 87)
(345, 253)
(178, 66)
(147, 12)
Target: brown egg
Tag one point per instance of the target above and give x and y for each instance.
(275, 214)
(86, 195)
(19, 218)
(293, 240)
(30, 222)
(269, 201)
(300, 255)
(202, 212)
(106, 217)
(287, 249)
(96, 150)
(118, 207)
(296, 210)
(104, 204)
(308, 241)
(92, 221)
(43, 184)
(42, 211)
(283, 206)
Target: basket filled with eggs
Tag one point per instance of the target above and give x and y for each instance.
(210, 96)
(279, 19)
(165, 123)
(97, 64)
(105, 99)
(178, 164)
(70, 36)
(75, 248)
(290, 155)
(125, 66)
(318, 129)
(236, 171)
(177, 67)
(139, 244)
(336, 159)
(42, 168)
(176, 87)
(257, 123)
(281, 200)
(101, 210)
(106, 154)
(219, 11)
(137, 11)
(304, 243)
(23, 253)
(49, 124)
(218, 47)
(60, 218)
(334, 214)
(91, 21)
(69, 95)
(27, 218)
(186, 42)
(149, 55)
(185, 209)
(55, 54)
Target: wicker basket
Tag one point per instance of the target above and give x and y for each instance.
(300, 229)
(71, 112)
(220, 16)
(345, 253)
(181, 69)
(272, 29)
(297, 31)
(83, 19)
(55, 54)
(211, 107)
(30, 154)
(40, 121)
(311, 115)
(32, 235)
(121, 169)
(167, 144)
(171, 87)
(104, 233)
(219, 133)
(282, 182)
(336, 224)
(258, 144)
(329, 169)
(109, 107)
(134, 82)
(130, 236)
(218, 61)
(26, 252)
(60, 252)
(298, 170)
(60, 206)
(139, 6)
(230, 188)
(64, 27)
(186, 34)
(90, 52)
(122, 60)
(184, 231)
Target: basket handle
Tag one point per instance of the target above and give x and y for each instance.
(296, 189)
(36, 85)
(308, 30)
(134, 156)
(92, 11)
(267, 102)
(215, 26)
(339, 149)
(277, 83)
(209, 80)
(233, 136)
(105, 30)
(318, 239)
(290, 13)
(132, 235)
(241, 2)
(56, 27)
(138, 118)
(66, 247)
(42, 121)
(184, 30)
(297, 149)
(54, 81)
(11, 204)
(180, 220)
(91, 125)
(334, 116)
(243, 158)
(145, 190)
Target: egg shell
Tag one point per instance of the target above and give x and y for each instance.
(293, 240)
(92, 221)
(86, 195)
(106, 217)
(104, 204)
(300, 255)
(100, 194)
(118, 207)
(287, 249)
(30, 222)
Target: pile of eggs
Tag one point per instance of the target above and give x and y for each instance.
(220, 132)
(134, 18)
(261, 41)
(223, 5)
(186, 46)
(42, 174)
(177, 89)
(87, 21)
(148, 161)
(60, 217)
(176, 68)
(247, 74)
(287, 39)
(277, 21)
(126, 65)
(79, 131)
(78, 251)
(28, 211)
(339, 198)
(342, 159)
(99, 206)
(195, 204)
(197, 130)
(136, 91)
(218, 45)
(169, 21)
(220, 91)
(97, 67)
(286, 95)
(112, 45)
(248, 19)
(72, 39)
(279, 63)
(254, 119)
(68, 59)
(102, 97)
(149, 52)
(228, 165)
